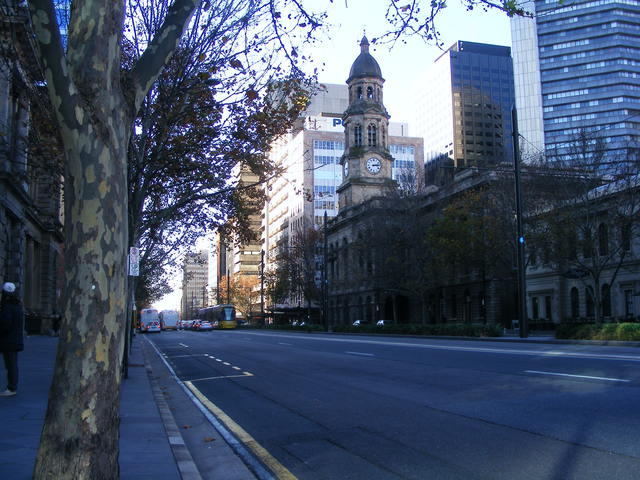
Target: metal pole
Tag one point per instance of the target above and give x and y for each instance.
(522, 285)
(325, 292)
(262, 284)
(228, 288)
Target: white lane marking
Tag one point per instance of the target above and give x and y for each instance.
(245, 374)
(287, 344)
(577, 376)
(183, 345)
(506, 351)
(184, 356)
(362, 354)
(218, 360)
(237, 368)
(226, 363)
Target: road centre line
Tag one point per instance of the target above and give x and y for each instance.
(183, 345)
(577, 376)
(503, 351)
(287, 344)
(362, 354)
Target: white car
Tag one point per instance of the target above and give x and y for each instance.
(204, 325)
(152, 326)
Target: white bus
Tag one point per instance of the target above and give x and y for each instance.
(169, 319)
(149, 320)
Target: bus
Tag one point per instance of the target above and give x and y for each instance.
(169, 319)
(149, 320)
(220, 316)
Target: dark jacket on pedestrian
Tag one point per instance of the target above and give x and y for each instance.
(11, 324)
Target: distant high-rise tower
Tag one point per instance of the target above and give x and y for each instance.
(465, 107)
(577, 68)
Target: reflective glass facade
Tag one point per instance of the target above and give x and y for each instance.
(586, 54)
(467, 105)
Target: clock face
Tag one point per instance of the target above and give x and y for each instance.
(373, 165)
(345, 169)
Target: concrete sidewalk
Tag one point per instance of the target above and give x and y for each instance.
(145, 452)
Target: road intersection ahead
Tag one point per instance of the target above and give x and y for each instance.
(372, 407)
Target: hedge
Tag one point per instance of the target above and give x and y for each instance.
(447, 329)
(590, 331)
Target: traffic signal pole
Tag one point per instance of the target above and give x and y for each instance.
(522, 285)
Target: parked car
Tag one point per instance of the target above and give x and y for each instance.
(152, 326)
(382, 323)
(204, 325)
(357, 323)
(185, 324)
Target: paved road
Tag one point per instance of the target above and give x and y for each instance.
(346, 407)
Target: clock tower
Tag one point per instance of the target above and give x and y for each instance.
(366, 162)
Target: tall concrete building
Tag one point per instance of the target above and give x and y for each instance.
(465, 107)
(194, 283)
(577, 68)
(311, 155)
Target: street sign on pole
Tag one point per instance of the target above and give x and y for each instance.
(134, 261)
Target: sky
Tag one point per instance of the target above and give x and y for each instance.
(401, 65)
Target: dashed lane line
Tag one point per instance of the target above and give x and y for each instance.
(589, 377)
(244, 374)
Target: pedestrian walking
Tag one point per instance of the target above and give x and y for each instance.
(11, 340)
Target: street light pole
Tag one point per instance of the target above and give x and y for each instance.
(325, 300)
(522, 285)
(262, 284)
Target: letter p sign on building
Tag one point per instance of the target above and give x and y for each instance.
(134, 261)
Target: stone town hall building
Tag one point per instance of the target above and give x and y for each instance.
(375, 263)
(367, 181)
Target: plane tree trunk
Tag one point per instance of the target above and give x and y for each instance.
(95, 103)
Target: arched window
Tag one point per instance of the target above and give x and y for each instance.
(360, 255)
(625, 234)
(345, 256)
(359, 93)
(589, 301)
(357, 135)
(606, 300)
(603, 239)
(572, 252)
(587, 247)
(575, 303)
(371, 135)
(370, 93)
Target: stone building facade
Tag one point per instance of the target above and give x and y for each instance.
(373, 244)
(30, 175)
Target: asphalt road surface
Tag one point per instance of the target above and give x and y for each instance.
(363, 407)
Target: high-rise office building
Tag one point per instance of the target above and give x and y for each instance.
(310, 156)
(465, 111)
(194, 283)
(577, 69)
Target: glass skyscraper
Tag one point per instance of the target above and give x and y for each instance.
(577, 69)
(465, 109)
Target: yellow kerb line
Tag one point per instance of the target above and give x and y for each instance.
(279, 470)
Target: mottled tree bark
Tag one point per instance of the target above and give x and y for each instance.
(95, 106)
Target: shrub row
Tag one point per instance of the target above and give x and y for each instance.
(451, 329)
(287, 326)
(590, 331)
